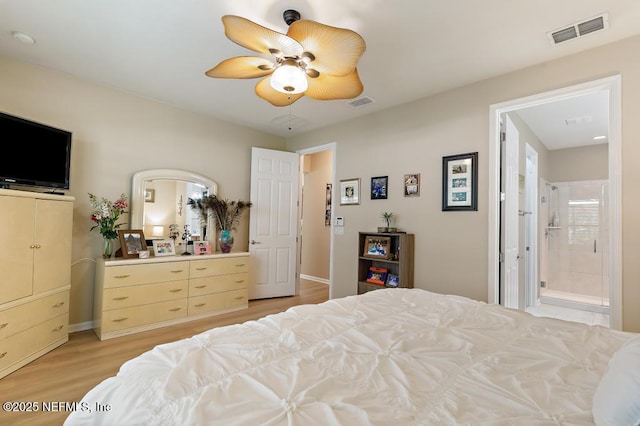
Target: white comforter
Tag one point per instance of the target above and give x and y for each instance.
(388, 357)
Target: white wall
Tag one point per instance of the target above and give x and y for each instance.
(451, 247)
(115, 135)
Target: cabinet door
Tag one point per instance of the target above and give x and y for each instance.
(52, 256)
(16, 247)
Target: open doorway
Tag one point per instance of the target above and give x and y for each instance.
(316, 214)
(611, 88)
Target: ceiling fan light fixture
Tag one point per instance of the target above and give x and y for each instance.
(289, 78)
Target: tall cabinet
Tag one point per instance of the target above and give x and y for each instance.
(35, 260)
(395, 259)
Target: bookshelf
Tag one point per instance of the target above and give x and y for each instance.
(390, 251)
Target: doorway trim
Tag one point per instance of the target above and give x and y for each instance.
(612, 85)
(331, 146)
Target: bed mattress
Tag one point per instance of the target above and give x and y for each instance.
(390, 356)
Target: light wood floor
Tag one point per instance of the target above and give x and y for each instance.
(67, 373)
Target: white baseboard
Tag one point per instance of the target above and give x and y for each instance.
(316, 279)
(88, 325)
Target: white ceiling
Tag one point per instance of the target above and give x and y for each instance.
(160, 49)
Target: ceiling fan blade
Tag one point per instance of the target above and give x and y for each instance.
(336, 50)
(275, 98)
(242, 67)
(258, 38)
(327, 86)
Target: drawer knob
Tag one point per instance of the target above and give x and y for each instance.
(120, 298)
(177, 270)
(176, 290)
(122, 276)
(58, 328)
(240, 265)
(174, 309)
(201, 286)
(120, 319)
(201, 269)
(2, 355)
(58, 305)
(3, 325)
(200, 305)
(239, 281)
(239, 297)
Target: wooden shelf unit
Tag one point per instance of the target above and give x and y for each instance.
(401, 264)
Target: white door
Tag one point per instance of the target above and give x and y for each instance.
(509, 225)
(273, 223)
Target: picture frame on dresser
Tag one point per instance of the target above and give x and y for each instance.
(132, 242)
(201, 247)
(164, 247)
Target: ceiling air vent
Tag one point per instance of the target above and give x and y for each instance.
(360, 102)
(579, 29)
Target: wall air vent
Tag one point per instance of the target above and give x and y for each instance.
(579, 29)
(360, 102)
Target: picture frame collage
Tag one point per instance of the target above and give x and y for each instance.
(459, 185)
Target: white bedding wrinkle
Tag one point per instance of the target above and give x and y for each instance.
(391, 356)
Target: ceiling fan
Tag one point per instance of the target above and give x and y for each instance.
(312, 59)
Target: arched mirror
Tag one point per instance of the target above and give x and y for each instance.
(159, 199)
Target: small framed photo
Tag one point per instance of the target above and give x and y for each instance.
(149, 195)
(412, 185)
(379, 186)
(460, 182)
(377, 247)
(164, 247)
(376, 275)
(392, 281)
(132, 242)
(201, 247)
(349, 192)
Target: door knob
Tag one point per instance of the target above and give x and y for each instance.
(255, 242)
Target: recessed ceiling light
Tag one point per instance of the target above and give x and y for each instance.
(22, 37)
(597, 138)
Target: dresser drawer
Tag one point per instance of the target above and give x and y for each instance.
(126, 275)
(219, 266)
(218, 301)
(25, 343)
(217, 284)
(120, 319)
(22, 317)
(123, 297)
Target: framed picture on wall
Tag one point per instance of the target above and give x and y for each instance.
(349, 191)
(149, 195)
(379, 187)
(460, 182)
(412, 185)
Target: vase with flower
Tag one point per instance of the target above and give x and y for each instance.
(225, 214)
(105, 216)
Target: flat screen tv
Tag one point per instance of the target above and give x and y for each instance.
(33, 154)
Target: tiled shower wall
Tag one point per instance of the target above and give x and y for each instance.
(578, 245)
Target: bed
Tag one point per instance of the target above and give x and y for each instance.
(390, 356)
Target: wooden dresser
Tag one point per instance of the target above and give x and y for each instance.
(134, 295)
(35, 275)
